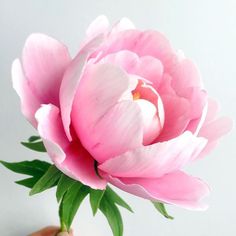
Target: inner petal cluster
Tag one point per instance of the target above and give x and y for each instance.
(152, 109)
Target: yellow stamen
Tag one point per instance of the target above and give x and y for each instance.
(136, 95)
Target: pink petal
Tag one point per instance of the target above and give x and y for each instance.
(152, 125)
(177, 116)
(213, 131)
(196, 124)
(147, 43)
(121, 25)
(98, 26)
(212, 110)
(71, 158)
(199, 103)
(155, 160)
(213, 127)
(184, 74)
(44, 63)
(133, 64)
(175, 188)
(71, 81)
(118, 130)
(102, 86)
(125, 59)
(29, 102)
(151, 69)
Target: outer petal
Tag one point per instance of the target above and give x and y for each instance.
(147, 43)
(101, 88)
(121, 25)
(71, 81)
(99, 26)
(213, 131)
(175, 188)
(156, 160)
(44, 63)
(29, 102)
(70, 158)
(214, 128)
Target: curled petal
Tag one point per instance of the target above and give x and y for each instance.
(102, 87)
(70, 157)
(71, 80)
(177, 116)
(175, 188)
(99, 26)
(44, 62)
(156, 160)
(29, 102)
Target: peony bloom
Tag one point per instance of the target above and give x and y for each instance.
(128, 110)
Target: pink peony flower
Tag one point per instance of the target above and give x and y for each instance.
(128, 110)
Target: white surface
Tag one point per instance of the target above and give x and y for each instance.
(205, 30)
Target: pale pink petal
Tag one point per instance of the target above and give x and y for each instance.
(151, 69)
(98, 26)
(213, 131)
(156, 160)
(177, 116)
(71, 81)
(125, 59)
(175, 188)
(121, 25)
(133, 64)
(198, 100)
(147, 43)
(70, 158)
(152, 125)
(165, 87)
(184, 74)
(29, 102)
(212, 110)
(196, 124)
(199, 105)
(117, 131)
(213, 127)
(44, 63)
(101, 88)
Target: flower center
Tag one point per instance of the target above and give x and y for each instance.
(152, 109)
(136, 95)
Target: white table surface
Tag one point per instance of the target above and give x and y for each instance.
(205, 30)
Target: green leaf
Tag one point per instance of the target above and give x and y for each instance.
(112, 213)
(117, 199)
(36, 146)
(29, 182)
(95, 198)
(48, 180)
(70, 203)
(27, 167)
(63, 185)
(34, 138)
(161, 208)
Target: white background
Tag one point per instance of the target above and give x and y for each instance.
(205, 30)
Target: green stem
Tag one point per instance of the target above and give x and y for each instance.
(63, 226)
